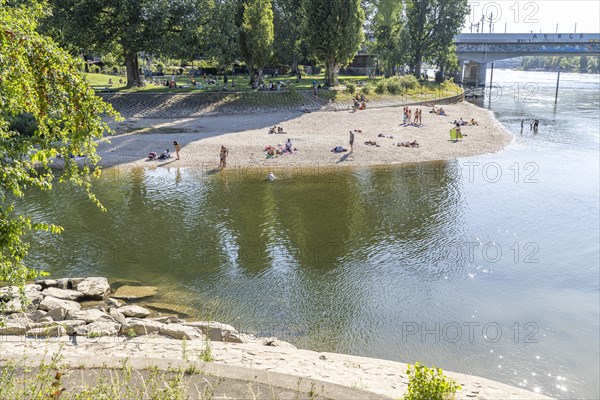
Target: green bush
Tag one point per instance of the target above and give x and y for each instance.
(408, 82)
(429, 384)
(393, 85)
(366, 89)
(350, 87)
(24, 123)
(381, 87)
(96, 69)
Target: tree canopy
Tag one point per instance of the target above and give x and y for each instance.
(333, 32)
(41, 84)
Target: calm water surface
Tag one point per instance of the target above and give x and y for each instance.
(486, 265)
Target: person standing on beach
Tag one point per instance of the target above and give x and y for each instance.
(223, 157)
(351, 141)
(522, 122)
(177, 148)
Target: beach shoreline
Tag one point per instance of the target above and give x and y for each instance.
(313, 134)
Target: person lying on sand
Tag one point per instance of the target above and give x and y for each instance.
(371, 143)
(385, 136)
(272, 130)
(413, 144)
(338, 149)
(473, 122)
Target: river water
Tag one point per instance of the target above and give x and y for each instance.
(486, 265)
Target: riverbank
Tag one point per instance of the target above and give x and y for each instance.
(80, 317)
(313, 135)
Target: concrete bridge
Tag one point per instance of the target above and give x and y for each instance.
(475, 50)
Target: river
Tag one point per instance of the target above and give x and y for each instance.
(486, 265)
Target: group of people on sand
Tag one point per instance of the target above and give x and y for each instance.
(408, 118)
(359, 102)
(533, 126)
(439, 111)
(461, 122)
(165, 154)
(276, 130)
(274, 151)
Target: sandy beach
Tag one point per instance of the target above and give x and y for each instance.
(313, 134)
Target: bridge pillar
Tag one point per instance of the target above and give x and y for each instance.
(481, 70)
(473, 73)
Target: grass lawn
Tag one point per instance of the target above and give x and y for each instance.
(425, 91)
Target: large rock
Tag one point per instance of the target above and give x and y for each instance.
(90, 315)
(11, 328)
(169, 319)
(102, 328)
(74, 326)
(215, 331)
(178, 331)
(44, 283)
(65, 294)
(134, 311)
(50, 303)
(47, 331)
(8, 293)
(58, 314)
(96, 288)
(37, 314)
(139, 327)
(134, 292)
(17, 301)
(117, 315)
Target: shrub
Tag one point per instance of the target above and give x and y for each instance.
(350, 87)
(408, 82)
(96, 69)
(393, 85)
(380, 88)
(24, 123)
(366, 89)
(429, 384)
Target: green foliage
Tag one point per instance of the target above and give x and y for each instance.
(381, 87)
(366, 89)
(350, 87)
(24, 124)
(206, 352)
(131, 334)
(258, 31)
(41, 80)
(567, 64)
(430, 26)
(429, 384)
(333, 32)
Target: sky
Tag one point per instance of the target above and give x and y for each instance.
(525, 16)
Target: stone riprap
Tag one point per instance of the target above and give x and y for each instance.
(83, 307)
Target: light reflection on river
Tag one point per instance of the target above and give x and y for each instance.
(486, 265)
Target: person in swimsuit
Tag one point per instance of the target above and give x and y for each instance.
(177, 148)
(223, 157)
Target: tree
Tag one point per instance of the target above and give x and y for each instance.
(387, 28)
(431, 26)
(288, 32)
(333, 32)
(132, 26)
(40, 83)
(257, 28)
